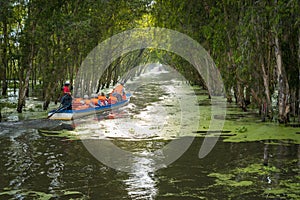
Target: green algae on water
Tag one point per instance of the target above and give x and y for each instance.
(262, 132)
(63, 134)
(258, 173)
(243, 126)
(257, 169)
(227, 180)
(42, 195)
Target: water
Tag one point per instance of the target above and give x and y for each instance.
(34, 165)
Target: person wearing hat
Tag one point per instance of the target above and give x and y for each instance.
(102, 98)
(84, 103)
(66, 88)
(66, 100)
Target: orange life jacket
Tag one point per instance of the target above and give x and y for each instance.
(76, 103)
(77, 100)
(102, 98)
(87, 101)
(95, 101)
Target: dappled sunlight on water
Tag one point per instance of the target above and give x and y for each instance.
(141, 183)
(161, 107)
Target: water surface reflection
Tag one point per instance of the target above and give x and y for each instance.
(141, 183)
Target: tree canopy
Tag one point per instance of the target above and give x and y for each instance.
(255, 45)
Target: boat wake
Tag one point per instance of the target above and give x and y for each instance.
(11, 128)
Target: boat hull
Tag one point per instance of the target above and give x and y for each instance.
(75, 114)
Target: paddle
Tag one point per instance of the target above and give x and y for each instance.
(58, 110)
(65, 102)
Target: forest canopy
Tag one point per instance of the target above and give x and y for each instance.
(255, 45)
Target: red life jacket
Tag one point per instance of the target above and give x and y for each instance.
(66, 89)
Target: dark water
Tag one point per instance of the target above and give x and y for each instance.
(35, 166)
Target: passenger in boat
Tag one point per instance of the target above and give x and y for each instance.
(119, 92)
(77, 102)
(112, 99)
(88, 102)
(66, 101)
(94, 100)
(77, 99)
(85, 103)
(102, 98)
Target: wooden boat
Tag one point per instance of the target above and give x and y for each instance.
(74, 114)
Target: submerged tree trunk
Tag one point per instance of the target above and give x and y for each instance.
(267, 89)
(248, 96)
(23, 89)
(240, 97)
(293, 99)
(283, 86)
(264, 62)
(47, 98)
(50, 93)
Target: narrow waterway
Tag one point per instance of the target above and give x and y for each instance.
(35, 165)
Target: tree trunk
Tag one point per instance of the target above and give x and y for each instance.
(283, 86)
(266, 105)
(229, 95)
(293, 104)
(248, 96)
(49, 93)
(0, 116)
(28, 59)
(240, 96)
(299, 78)
(46, 104)
(4, 58)
(47, 98)
(23, 89)
(267, 108)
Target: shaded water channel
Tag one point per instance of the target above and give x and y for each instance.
(34, 165)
